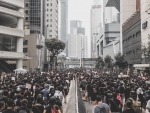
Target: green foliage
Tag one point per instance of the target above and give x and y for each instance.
(120, 61)
(108, 61)
(55, 46)
(99, 62)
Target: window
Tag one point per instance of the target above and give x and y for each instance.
(25, 50)
(50, 25)
(51, 15)
(51, 4)
(47, 15)
(47, 4)
(50, 9)
(47, 10)
(25, 42)
(50, 35)
(47, 25)
(27, 4)
(27, 19)
(51, 20)
(138, 33)
(27, 12)
(47, 20)
(133, 35)
(50, 30)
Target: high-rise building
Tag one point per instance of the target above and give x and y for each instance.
(77, 41)
(96, 24)
(77, 46)
(27, 17)
(75, 27)
(127, 8)
(11, 34)
(63, 14)
(51, 18)
(44, 17)
(110, 27)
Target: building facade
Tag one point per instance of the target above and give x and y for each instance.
(31, 50)
(12, 32)
(110, 28)
(96, 24)
(127, 8)
(132, 39)
(77, 46)
(63, 14)
(27, 17)
(77, 41)
(145, 24)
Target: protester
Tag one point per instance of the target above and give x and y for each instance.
(10, 104)
(101, 107)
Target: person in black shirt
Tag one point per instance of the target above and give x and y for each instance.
(127, 92)
(5, 97)
(115, 104)
(23, 107)
(9, 109)
(52, 105)
(38, 108)
(129, 108)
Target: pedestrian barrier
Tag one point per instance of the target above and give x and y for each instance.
(75, 102)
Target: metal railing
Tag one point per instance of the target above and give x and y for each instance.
(75, 102)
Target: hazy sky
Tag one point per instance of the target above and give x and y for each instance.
(80, 10)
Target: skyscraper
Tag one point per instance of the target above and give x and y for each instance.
(63, 20)
(77, 41)
(75, 27)
(44, 17)
(96, 24)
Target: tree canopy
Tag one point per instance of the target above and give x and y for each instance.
(55, 46)
(108, 61)
(99, 62)
(120, 61)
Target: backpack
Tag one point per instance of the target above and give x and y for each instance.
(53, 110)
(52, 91)
(102, 110)
(119, 98)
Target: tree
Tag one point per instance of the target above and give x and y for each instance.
(108, 61)
(120, 61)
(55, 46)
(99, 62)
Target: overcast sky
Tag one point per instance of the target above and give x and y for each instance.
(80, 10)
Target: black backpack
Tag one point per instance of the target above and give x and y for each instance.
(52, 91)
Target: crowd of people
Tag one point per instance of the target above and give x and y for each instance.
(115, 93)
(46, 92)
(34, 92)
